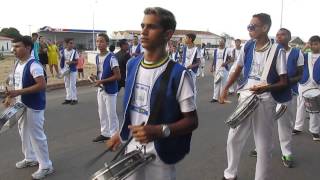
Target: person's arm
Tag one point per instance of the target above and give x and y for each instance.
(116, 76)
(297, 77)
(282, 83)
(197, 64)
(232, 78)
(38, 86)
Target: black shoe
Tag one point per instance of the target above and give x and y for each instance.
(73, 102)
(287, 161)
(213, 101)
(66, 102)
(100, 138)
(253, 153)
(296, 132)
(315, 137)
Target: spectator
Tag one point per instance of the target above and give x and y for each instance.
(53, 55)
(123, 56)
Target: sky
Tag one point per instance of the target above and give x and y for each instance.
(301, 17)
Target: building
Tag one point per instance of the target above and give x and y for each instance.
(83, 38)
(210, 39)
(296, 42)
(5, 45)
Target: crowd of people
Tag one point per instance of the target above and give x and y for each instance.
(160, 91)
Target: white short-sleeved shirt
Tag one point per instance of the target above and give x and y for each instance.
(220, 59)
(190, 55)
(258, 63)
(134, 47)
(113, 63)
(310, 83)
(68, 54)
(300, 61)
(36, 70)
(140, 104)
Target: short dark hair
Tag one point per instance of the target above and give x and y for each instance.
(105, 36)
(264, 18)
(314, 39)
(237, 40)
(287, 31)
(67, 40)
(112, 47)
(34, 34)
(123, 42)
(167, 19)
(192, 36)
(25, 40)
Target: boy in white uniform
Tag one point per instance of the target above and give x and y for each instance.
(177, 117)
(235, 55)
(69, 58)
(29, 88)
(310, 79)
(266, 76)
(219, 67)
(136, 49)
(108, 73)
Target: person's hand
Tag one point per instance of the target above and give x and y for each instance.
(259, 89)
(12, 93)
(7, 101)
(114, 142)
(69, 62)
(211, 69)
(98, 83)
(223, 96)
(223, 65)
(147, 133)
(189, 67)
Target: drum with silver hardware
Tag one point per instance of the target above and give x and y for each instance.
(280, 110)
(243, 111)
(312, 100)
(63, 72)
(10, 116)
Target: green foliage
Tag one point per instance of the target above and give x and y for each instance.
(10, 32)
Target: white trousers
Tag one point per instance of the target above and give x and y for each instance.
(194, 79)
(70, 83)
(314, 123)
(218, 87)
(262, 123)
(34, 141)
(155, 170)
(107, 109)
(285, 127)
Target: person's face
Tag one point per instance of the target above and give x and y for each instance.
(42, 40)
(70, 45)
(282, 37)
(256, 28)
(125, 47)
(101, 43)
(187, 40)
(315, 47)
(20, 50)
(221, 43)
(34, 38)
(135, 40)
(238, 43)
(153, 35)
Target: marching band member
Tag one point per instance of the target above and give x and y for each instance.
(136, 49)
(310, 79)
(168, 135)
(69, 58)
(29, 88)
(108, 74)
(221, 60)
(260, 68)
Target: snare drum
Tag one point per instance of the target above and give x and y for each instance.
(312, 100)
(219, 76)
(243, 110)
(124, 167)
(63, 72)
(280, 110)
(10, 116)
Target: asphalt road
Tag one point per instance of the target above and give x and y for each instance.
(70, 130)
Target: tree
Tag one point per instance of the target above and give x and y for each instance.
(10, 32)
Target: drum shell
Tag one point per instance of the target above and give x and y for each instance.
(10, 116)
(312, 104)
(65, 71)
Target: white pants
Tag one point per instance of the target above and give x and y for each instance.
(194, 79)
(262, 123)
(34, 141)
(218, 87)
(70, 83)
(285, 127)
(314, 123)
(155, 170)
(107, 109)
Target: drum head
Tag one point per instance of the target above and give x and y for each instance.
(310, 93)
(10, 116)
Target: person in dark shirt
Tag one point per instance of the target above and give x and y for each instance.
(123, 56)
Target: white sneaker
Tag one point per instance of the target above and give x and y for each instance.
(42, 173)
(24, 164)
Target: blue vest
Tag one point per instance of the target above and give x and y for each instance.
(292, 67)
(73, 67)
(170, 150)
(281, 96)
(110, 87)
(184, 57)
(316, 71)
(215, 57)
(35, 100)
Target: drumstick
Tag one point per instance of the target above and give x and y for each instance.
(92, 161)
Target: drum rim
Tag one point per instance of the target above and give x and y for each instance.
(309, 90)
(251, 99)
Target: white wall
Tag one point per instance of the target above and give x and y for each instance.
(6, 44)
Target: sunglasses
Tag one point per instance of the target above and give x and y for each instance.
(252, 27)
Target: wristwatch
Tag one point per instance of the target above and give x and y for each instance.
(165, 130)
